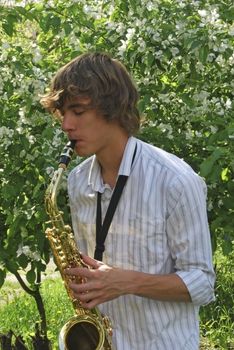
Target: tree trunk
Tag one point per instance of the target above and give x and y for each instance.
(40, 340)
(7, 343)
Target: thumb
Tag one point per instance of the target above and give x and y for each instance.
(94, 264)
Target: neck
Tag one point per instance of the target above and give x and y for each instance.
(110, 160)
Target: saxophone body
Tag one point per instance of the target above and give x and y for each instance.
(87, 329)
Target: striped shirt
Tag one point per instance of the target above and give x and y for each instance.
(159, 227)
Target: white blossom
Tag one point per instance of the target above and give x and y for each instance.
(189, 135)
(57, 138)
(37, 56)
(166, 128)
(20, 129)
(31, 139)
(150, 6)
(22, 113)
(220, 60)
(130, 33)
(142, 44)
(210, 205)
(165, 98)
(22, 154)
(123, 47)
(26, 250)
(30, 157)
(174, 51)
(5, 45)
(231, 30)
(213, 129)
(228, 104)
(231, 60)
(210, 57)
(198, 134)
(6, 132)
(91, 11)
(156, 36)
(158, 54)
(50, 171)
(120, 28)
(23, 250)
(202, 13)
(201, 95)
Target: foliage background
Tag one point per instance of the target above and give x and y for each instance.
(181, 54)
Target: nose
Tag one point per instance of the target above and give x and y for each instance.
(68, 122)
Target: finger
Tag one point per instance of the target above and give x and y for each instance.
(82, 288)
(89, 301)
(86, 297)
(90, 261)
(78, 271)
(89, 305)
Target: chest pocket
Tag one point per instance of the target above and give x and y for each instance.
(141, 245)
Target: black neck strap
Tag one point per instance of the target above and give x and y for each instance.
(102, 230)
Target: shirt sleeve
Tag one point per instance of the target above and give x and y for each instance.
(189, 237)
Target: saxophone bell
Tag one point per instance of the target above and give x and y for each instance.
(85, 334)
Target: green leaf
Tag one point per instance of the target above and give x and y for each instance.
(67, 28)
(55, 23)
(9, 23)
(22, 261)
(203, 53)
(143, 103)
(8, 28)
(224, 174)
(31, 276)
(11, 266)
(150, 59)
(208, 164)
(228, 14)
(188, 100)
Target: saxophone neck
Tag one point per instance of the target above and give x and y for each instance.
(53, 189)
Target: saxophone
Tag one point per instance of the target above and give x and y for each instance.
(87, 329)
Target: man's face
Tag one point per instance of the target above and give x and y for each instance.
(87, 126)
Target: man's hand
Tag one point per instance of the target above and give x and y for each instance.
(101, 282)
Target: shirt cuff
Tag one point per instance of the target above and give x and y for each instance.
(199, 286)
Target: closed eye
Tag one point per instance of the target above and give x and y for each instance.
(78, 113)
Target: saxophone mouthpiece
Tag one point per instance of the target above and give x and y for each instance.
(66, 154)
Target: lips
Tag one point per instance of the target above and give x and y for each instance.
(74, 139)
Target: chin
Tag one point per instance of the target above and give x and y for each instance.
(82, 152)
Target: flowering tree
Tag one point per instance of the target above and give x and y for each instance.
(181, 56)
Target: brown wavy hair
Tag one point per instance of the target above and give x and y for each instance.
(105, 81)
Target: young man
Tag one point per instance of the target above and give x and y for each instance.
(157, 265)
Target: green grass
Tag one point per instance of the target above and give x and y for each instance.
(18, 310)
(217, 319)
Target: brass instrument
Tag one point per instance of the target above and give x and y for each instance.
(88, 329)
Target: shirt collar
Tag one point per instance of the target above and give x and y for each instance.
(95, 178)
(126, 163)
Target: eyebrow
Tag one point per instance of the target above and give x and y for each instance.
(77, 105)
(85, 106)
(74, 105)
